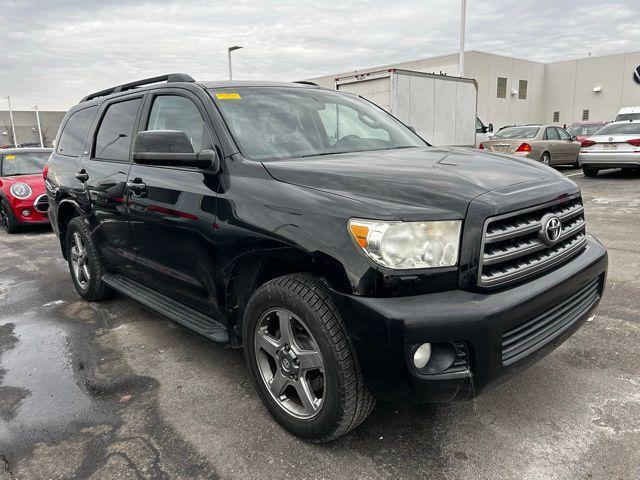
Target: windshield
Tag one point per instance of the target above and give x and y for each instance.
(517, 132)
(625, 117)
(281, 122)
(23, 163)
(583, 129)
(631, 128)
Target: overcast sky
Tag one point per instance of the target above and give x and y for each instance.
(56, 51)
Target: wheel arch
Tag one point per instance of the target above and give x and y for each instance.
(247, 274)
(67, 209)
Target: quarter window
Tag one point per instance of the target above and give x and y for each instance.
(75, 131)
(522, 89)
(113, 140)
(502, 87)
(173, 112)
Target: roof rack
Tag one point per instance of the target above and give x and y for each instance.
(169, 78)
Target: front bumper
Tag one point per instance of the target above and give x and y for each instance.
(33, 216)
(609, 160)
(383, 330)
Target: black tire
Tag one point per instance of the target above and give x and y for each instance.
(546, 158)
(94, 289)
(589, 172)
(8, 220)
(346, 402)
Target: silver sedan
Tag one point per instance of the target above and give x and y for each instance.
(616, 145)
(548, 144)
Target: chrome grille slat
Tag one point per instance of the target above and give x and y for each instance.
(512, 248)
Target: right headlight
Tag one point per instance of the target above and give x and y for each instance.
(409, 245)
(20, 190)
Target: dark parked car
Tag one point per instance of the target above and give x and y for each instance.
(349, 258)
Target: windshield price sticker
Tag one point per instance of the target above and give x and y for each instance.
(9, 157)
(228, 96)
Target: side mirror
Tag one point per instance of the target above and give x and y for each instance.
(490, 128)
(171, 148)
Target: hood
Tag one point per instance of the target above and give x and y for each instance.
(35, 181)
(412, 183)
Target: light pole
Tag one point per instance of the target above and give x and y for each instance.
(463, 14)
(13, 127)
(229, 50)
(39, 126)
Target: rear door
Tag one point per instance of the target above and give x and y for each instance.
(172, 209)
(553, 144)
(104, 166)
(570, 148)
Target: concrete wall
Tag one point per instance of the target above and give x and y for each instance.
(569, 87)
(26, 126)
(565, 86)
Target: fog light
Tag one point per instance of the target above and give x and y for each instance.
(422, 355)
(26, 212)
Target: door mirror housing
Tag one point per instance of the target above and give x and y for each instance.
(171, 148)
(490, 128)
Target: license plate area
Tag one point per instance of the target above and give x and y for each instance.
(610, 146)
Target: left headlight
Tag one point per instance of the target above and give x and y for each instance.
(407, 245)
(20, 190)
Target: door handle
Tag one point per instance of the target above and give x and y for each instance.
(82, 175)
(137, 187)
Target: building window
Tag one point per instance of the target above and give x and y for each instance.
(502, 87)
(585, 115)
(556, 116)
(522, 89)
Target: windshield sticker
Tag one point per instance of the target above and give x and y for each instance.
(9, 157)
(228, 96)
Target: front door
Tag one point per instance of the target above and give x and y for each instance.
(103, 169)
(570, 147)
(172, 209)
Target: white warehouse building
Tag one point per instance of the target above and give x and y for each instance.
(514, 91)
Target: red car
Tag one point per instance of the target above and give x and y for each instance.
(582, 130)
(23, 200)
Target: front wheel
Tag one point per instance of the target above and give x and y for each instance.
(589, 172)
(6, 217)
(302, 361)
(84, 264)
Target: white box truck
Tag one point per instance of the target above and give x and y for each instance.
(441, 109)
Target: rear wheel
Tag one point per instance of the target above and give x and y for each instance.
(301, 359)
(545, 158)
(589, 172)
(6, 217)
(84, 264)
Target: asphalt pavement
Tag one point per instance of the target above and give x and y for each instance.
(111, 390)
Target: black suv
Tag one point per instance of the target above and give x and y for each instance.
(349, 258)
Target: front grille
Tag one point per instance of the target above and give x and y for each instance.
(512, 248)
(41, 204)
(532, 335)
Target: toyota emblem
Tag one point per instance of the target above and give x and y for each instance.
(551, 229)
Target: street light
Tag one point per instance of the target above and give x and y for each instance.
(13, 127)
(229, 50)
(39, 126)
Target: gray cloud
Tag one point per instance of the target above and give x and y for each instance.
(55, 52)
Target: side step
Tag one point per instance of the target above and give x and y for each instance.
(168, 307)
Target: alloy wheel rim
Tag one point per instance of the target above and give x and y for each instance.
(290, 363)
(79, 258)
(545, 159)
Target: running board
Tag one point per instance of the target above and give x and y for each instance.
(168, 307)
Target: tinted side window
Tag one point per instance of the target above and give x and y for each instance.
(551, 134)
(563, 135)
(75, 131)
(172, 112)
(113, 140)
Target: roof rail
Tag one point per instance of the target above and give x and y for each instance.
(306, 82)
(169, 78)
